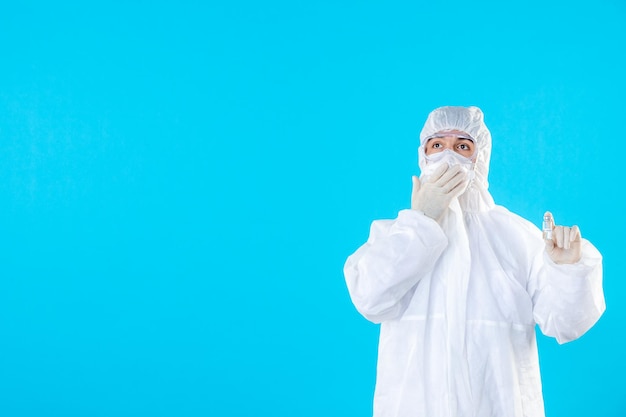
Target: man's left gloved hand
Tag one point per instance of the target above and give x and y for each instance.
(565, 245)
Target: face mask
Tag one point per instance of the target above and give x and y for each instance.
(450, 158)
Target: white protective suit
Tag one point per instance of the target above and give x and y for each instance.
(458, 301)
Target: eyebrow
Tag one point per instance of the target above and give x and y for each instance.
(443, 134)
(434, 140)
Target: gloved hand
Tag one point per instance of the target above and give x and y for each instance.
(434, 196)
(565, 245)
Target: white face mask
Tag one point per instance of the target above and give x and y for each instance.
(450, 158)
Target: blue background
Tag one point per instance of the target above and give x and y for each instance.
(181, 183)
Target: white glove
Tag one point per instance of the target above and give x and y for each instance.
(565, 245)
(434, 196)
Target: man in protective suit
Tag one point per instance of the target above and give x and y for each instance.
(459, 283)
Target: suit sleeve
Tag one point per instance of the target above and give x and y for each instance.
(568, 299)
(382, 274)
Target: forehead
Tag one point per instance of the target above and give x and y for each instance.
(456, 134)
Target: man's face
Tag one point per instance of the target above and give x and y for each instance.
(450, 140)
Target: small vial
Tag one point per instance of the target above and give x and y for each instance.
(547, 227)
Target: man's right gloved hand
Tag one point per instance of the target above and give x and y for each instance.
(434, 196)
